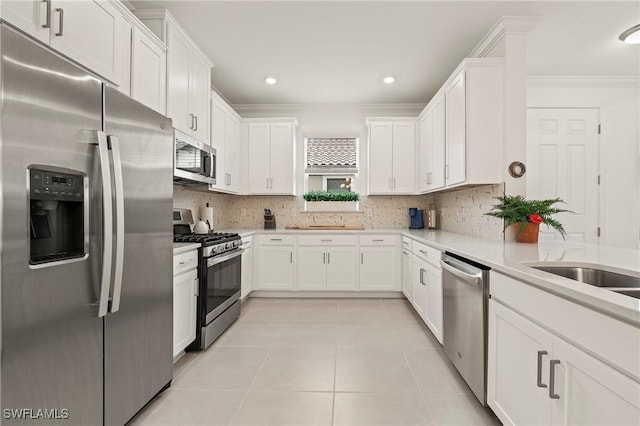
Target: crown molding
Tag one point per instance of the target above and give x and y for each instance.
(593, 81)
(506, 25)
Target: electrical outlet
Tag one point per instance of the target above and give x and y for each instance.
(243, 212)
(294, 212)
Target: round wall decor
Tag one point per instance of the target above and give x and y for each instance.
(517, 169)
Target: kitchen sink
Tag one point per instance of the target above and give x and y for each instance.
(619, 283)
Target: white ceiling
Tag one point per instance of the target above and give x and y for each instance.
(338, 51)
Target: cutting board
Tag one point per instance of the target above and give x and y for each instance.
(328, 228)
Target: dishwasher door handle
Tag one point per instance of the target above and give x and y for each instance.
(474, 279)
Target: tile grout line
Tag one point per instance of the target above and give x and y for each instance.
(335, 372)
(256, 376)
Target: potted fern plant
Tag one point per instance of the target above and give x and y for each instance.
(331, 201)
(527, 215)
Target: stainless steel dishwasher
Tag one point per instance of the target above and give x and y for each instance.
(465, 307)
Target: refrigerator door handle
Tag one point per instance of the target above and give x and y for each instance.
(107, 209)
(119, 187)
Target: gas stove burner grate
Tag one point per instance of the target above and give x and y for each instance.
(212, 238)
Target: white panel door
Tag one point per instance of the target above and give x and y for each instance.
(185, 288)
(438, 150)
(232, 154)
(282, 165)
(312, 268)
(407, 283)
(420, 286)
(178, 71)
(342, 268)
(380, 158)
(518, 368)
(404, 157)
(218, 128)
(246, 277)
(455, 103)
(28, 15)
(275, 268)
(259, 158)
(562, 157)
(378, 268)
(590, 392)
(148, 72)
(425, 165)
(124, 63)
(200, 88)
(433, 316)
(86, 31)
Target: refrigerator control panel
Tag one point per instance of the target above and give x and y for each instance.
(49, 185)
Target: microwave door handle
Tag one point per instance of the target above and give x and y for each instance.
(206, 166)
(119, 187)
(107, 212)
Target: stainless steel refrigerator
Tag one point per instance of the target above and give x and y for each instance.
(86, 243)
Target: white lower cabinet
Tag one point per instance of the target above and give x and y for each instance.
(407, 284)
(379, 268)
(185, 293)
(538, 378)
(246, 273)
(275, 262)
(327, 262)
(426, 280)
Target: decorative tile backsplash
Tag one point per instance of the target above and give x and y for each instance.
(458, 211)
(463, 211)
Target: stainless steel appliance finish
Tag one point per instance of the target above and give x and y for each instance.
(219, 273)
(84, 336)
(138, 338)
(194, 162)
(465, 309)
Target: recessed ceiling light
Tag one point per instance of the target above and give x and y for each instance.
(270, 80)
(390, 79)
(631, 36)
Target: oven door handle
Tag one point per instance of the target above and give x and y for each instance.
(219, 259)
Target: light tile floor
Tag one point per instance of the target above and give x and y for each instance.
(319, 362)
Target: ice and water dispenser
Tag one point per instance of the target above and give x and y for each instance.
(57, 215)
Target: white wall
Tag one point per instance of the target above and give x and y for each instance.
(618, 101)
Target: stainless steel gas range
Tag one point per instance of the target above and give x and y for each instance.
(219, 273)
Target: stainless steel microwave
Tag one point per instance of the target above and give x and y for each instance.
(194, 162)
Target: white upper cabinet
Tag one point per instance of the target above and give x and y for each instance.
(225, 138)
(456, 131)
(271, 146)
(461, 129)
(149, 71)
(392, 159)
(84, 31)
(188, 75)
(431, 169)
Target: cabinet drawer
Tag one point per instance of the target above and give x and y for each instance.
(276, 239)
(246, 241)
(407, 243)
(378, 240)
(184, 261)
(429, 254)
(331, 240)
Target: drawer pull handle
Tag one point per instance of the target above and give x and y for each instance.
(326, 241)
(552, 379)
(276, 239)
(406, 243)
(379, 240)
(184, 263)
(539, 382)
(424, 252)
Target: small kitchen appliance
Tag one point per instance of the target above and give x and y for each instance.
(269, 219)
(432, 217)
(416, 218)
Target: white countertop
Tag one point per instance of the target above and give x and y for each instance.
(508, 258)
(184, 247)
